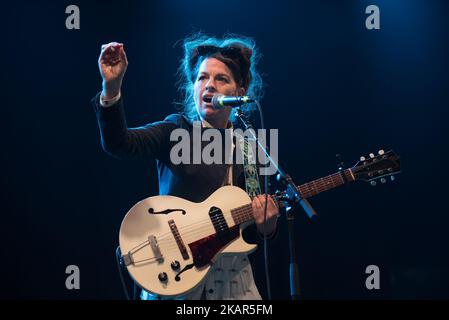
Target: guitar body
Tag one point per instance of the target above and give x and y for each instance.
(163, 235)
(168, 244)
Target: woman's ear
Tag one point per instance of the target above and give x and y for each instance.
(241, 91)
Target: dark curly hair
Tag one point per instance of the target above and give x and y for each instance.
(240, 55)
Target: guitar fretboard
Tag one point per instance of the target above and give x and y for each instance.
(244, 213)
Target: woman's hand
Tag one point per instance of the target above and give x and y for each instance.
(258, 205)
(112, 63)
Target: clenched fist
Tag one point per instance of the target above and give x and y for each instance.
(112, 63)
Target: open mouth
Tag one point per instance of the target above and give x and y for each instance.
(207, 99)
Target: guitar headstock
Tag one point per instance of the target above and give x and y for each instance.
(377, 167)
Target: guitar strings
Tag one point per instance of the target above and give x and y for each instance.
(321, 186)
(167, 242)
(198, 227)
(188, 230)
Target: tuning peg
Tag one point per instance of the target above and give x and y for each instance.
(371, 155)
(373, 183)
(362, 159)
(340, 163)
(383, 180)
(381, 152)
(392, 178)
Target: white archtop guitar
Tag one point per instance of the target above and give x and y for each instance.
(168, 243)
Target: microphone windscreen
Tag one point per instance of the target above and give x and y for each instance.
(216, 103)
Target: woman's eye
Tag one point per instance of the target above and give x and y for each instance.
(222, 79)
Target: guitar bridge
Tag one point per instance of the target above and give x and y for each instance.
(156, 251)
(179, 242)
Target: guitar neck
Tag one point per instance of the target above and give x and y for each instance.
(314, 187)
(244, 213)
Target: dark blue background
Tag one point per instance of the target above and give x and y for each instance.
(332, 86)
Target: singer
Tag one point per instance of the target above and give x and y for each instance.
(210, 67)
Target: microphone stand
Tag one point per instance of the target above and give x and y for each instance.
(293, 198)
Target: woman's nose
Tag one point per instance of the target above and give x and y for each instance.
(210, 86)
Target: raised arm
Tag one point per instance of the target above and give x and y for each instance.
(116, 138)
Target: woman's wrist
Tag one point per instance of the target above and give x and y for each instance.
(110, 90)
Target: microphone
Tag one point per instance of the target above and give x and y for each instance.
(220, 101)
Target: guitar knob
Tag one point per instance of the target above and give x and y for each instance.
(362, 159)
(381, 152)
(371, 155)
(162, 277)
(392, 178)
(383, 180)
(175, 265)
(373, 183)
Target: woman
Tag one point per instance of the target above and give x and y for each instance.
(210, 66)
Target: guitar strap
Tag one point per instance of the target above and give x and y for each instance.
(252, 184)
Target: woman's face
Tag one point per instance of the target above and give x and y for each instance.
(214, 77)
